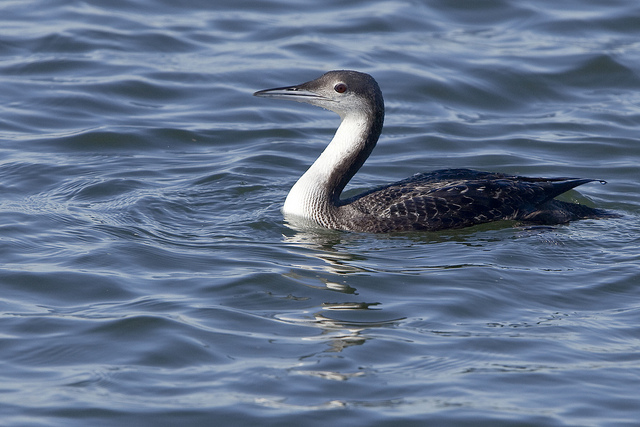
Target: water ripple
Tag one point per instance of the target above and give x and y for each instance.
(148, 276)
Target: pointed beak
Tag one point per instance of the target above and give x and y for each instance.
(291, 93)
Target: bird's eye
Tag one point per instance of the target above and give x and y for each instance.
(340, 88)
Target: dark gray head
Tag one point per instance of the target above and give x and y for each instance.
(343, 92)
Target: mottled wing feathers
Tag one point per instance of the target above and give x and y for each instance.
(455, 198)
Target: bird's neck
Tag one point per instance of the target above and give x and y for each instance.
(316, 195)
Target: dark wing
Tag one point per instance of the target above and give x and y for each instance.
(461, 197)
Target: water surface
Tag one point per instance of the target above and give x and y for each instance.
(148, 277)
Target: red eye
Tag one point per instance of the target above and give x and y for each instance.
(340, 88)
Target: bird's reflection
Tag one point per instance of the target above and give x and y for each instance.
(322, 283)
(328, 246)
(328, 265)
(340, 333)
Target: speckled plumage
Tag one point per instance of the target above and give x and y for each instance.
(443, 199)
(456, 198)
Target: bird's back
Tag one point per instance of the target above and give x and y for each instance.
(456, 198)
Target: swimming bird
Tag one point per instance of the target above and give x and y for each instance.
(442, 199)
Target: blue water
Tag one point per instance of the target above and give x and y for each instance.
(147, 277)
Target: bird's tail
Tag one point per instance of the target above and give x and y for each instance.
(552, 210)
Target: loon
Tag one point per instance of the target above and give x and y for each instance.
(438, 200)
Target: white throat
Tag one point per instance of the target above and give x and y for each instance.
(310, 197)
